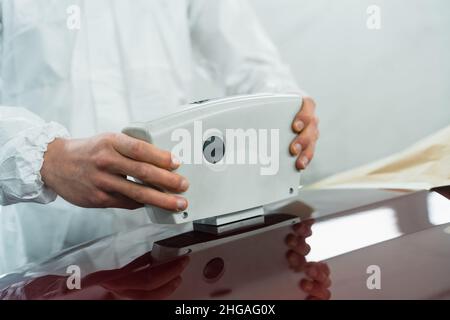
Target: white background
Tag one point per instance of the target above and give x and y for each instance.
(378, 91)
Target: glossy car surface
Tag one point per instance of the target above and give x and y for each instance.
(373, 244)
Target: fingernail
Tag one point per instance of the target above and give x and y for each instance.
(175, 162)
(299, 125)
(181, 204)
(297, 148)
(304, 161)
(184, 185)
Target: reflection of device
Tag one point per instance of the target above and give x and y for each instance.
(223, 266)
(235, 154)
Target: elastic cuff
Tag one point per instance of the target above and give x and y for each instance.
(23, 181)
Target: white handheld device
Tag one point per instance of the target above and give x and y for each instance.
(234, 153)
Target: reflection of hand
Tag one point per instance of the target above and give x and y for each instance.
(298, 248)
(140, 279)
(147, 282)
(317, 281)
(137, 280)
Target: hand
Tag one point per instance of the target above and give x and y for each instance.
(93, 173)
(305, 124)
(298, 248)
(316, 281)
(143, 282)
(140, 279)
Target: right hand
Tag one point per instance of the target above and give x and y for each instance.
(93, 172)
(316, 281)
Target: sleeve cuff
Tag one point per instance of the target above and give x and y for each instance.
(21, 161)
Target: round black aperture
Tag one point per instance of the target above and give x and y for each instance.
(213, 149)
(214, 269)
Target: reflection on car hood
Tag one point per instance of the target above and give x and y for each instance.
(403, 238)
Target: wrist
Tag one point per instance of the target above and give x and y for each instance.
(49, 166)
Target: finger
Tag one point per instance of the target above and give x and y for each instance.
(305, 157)
(309, 221)
(150, 174)
(305, 115)
(303, 141)
(122, 202)
(298, 244)
(314, 289)
(308, 136)
(325, 268)
(302, 229)
(144, 194)
(145, 152)
(315, 272)
(326, 293)
(296, 261)
(296, 147)
(291, 240)
(103, 199)
(162, 292)
(149, 278)
(104, 276)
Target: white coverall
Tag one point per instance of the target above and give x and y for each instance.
(128, 61)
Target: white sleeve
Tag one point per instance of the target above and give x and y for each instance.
(234, 48)
(23, 141)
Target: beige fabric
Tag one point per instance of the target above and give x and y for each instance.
(424, 165)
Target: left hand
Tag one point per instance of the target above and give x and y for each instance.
(306, 125)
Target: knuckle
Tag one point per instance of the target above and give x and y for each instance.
(307, 118)
(109, 137)
(99, 199)
(143, 172)
(100, 182)
(102, 160)
(136, 148)
(304, 142)
(311, 119)
(106, 140)
(310, 102)
(140, 195)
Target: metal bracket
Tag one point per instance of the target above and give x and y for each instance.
(231, 222)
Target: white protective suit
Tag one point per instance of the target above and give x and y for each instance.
(129, 61)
